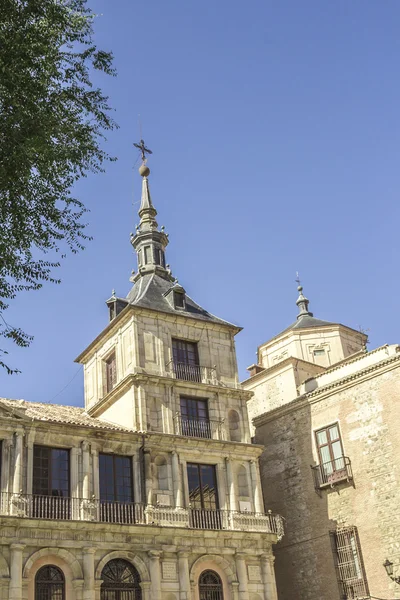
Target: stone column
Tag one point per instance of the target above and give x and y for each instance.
(85, 471)
(148, 480)
(268, 577)
(255, 476)
(184, 576)
(242, 576)
(155, 574)
(17, 479)
(137, 488)
(15, 590)
(231, 485)
(176, 477)
(89, 589)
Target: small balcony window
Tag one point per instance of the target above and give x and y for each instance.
(333, 465)
(194, 420)
(50, 483)
(186, 360)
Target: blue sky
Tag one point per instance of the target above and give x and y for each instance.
(275, 132)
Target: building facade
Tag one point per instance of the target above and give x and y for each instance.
(152, 490)
(325, 409)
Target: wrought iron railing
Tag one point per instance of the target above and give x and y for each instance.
(332, 472)
(131, 513)
(212, 429)
(197, 373)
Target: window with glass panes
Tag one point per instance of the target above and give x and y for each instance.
(194, 417)
(115, 473)
(50, 471)
(202, 486)
(330, 449)
(185, 352)
(349, 563)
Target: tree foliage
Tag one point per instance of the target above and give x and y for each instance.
(52, 125)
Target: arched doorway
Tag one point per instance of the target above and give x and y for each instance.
(49, 583)
(210, 586)
(121, 581)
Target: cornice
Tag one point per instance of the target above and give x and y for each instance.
(387, 364)
(283, 363)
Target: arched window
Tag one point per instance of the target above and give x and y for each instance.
(210, 586)
(234, 426)
(49, 584)
(121, 581)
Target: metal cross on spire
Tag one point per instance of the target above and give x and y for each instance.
(297, 280)
(143, 150)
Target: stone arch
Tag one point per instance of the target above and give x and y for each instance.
(134, 559)
(220, 566)
(215, 559)
(67, 557)
(235, 433)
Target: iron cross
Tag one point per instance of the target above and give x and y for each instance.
(143, 149)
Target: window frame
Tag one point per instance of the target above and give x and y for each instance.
(179, 350)
(110, 359)
(351, 574)
(329, 444)
(115, 483)
(201, 487)
(50, 471)
(49, 583)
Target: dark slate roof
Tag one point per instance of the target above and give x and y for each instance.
(305, 322)
(150, 290)
(57, 413)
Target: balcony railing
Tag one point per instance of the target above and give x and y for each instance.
(78, 509)
(332, 472)
(212, 429)
(197, 373)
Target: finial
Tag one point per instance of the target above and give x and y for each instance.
(143, 169)
(302, 302)
(113, 294)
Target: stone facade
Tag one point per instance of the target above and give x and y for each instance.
(170, 532)
(322, 502)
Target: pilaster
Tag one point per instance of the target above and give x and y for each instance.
(184, 576)
(255, 476)
(155, 574)
(242, 576)
(16, 553)
(231, 485)
(177, 482)
(268, 577)
(89, 590)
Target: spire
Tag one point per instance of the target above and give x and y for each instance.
(148, 241)
(302, 302)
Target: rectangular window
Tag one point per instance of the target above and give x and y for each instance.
(147, 255)
(50, 471)
(330, 450)
(185, 352)
(115, 478)
(194, 418)
(319, 352)
(179, 300)
(349, 563)
(111, 372)
(203, 497)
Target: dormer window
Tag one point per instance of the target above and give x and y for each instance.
(179, 300)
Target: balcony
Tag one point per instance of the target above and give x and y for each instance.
(78, 509)
(212, 429)
(332, 472)
(196, 373)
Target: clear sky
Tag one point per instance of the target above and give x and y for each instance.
(275, 132)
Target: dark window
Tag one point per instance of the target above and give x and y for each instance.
(121, 581)
(179, 300)
(194, 418)
(185, 352)
(50, 471)
(210, 586)
(49, 584)
(147, 255)
(111, 372)
(203, 497)
(330, 450)
(349, 563)
(319, 352)
(115, 478)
